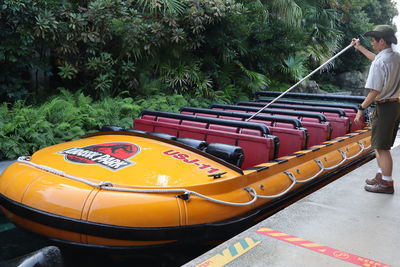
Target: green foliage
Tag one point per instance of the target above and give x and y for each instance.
(380, 11)
(25, 128)
(359, 16)
(251, 79)
(181, 76)
(330, 88)
(294, 66)
(288, 11)
(18, 57)
(279, 86)
(164, 6)
(129, 55)
(208, 48)
(67, 71)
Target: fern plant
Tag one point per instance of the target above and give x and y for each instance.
(25, 128)
(294, 66)
(163, 6)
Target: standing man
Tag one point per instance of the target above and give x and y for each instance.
(384, 84)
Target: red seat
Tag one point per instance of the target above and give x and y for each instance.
(224, 128)
(290, 138)
(250, 132)
(257, 149)
(350, 113)
(318, 131)
(169, 120)
(194, 124)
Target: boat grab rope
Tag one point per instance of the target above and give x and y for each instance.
(322, 168)
(185, 194)
(110, 187)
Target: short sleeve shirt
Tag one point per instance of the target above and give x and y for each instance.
(384, 74)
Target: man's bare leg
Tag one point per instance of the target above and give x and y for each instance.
(382, 183)
(385, 162)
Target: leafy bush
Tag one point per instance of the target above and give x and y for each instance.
(25, 128)
(279, 86)
(210, 48)
(330, 88)
(129, 55)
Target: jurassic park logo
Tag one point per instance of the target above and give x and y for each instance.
(109, 155)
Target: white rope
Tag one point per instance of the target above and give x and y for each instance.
(294, 86)
(321, 169)
(25, 159)
(344, 158)
(359, 152)
(291, 177)
(104, 185)
(110, 187)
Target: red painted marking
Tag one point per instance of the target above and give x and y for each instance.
(205, 264)
(185, 158)
(338, 254)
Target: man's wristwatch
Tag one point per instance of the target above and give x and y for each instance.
(360, 107)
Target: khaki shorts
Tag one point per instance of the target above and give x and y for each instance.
(385, 122)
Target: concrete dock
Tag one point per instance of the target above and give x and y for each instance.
(339, 225)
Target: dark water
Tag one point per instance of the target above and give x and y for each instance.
(15, 242)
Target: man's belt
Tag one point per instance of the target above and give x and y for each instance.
(387, 100)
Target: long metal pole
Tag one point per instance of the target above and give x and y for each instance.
(314, 71)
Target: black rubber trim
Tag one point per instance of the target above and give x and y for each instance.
(191, 234)
(307, 137)
(297, 154)
(279, 161)
(339, 111)
(277, 145)
(327, 144)
(321, 117)
(257, 168)
(242, 124)
(263, 168)
(295, 122)
(357, 99)
(311, 103)
(40, 216)
(113, 231)
(338, 140)
(96, 248)
(313, 148)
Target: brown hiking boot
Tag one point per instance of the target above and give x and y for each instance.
(376, 179)
(381, 186)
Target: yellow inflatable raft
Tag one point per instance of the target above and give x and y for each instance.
(138, 189)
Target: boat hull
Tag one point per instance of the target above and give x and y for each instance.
(82, 214)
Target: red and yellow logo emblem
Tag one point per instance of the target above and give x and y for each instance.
(112, 156)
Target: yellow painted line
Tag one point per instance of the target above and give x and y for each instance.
(311, 245)
(325, 250)
(288, 157)
(230, 253)
(278, 234)
(294, 239)
(265, 229)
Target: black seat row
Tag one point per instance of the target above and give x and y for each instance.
(229, 153)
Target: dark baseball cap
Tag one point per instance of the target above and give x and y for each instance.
(385, 32)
